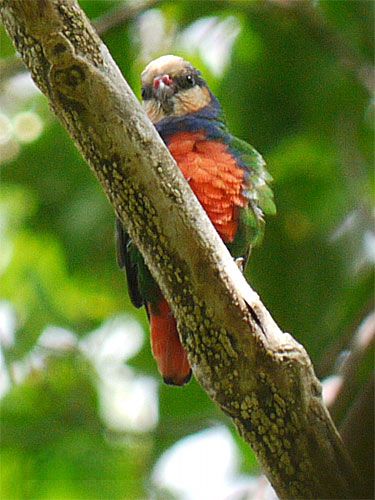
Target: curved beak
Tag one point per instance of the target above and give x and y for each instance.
(163, 87)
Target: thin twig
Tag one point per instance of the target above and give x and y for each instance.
(362, 343)
(121, 15)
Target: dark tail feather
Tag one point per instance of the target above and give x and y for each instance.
(166, 346)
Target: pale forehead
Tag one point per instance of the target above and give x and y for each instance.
(165, 65)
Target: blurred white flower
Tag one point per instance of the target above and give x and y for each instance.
(9, 147)
(201, 466)
(154, 37)
(213, 38)
(20, 87)
(27, 126)
(331, 386)
(206, 466)
(369, 247)
(128, 402)
(357, 230)
(9, 150)
(8, 322)
(57, 339)
(116, 341)
(6, 128)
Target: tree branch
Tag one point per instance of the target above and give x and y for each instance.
(260, 377)
(12, 66)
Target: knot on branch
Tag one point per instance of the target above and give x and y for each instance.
(70, 77)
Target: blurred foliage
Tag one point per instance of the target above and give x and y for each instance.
(296, 87)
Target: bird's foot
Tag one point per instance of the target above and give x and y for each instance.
(240, 261)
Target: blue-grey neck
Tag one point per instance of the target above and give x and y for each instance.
(209, 119)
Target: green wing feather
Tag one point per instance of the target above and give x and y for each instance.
(259, 194)
(142, 287)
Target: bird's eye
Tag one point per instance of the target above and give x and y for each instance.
(190, 80)
(185, 82)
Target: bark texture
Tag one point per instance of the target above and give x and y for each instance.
(259, 376)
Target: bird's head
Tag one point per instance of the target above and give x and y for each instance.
(171, 86)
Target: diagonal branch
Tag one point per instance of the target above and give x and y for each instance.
(260, 377)
(12, 66)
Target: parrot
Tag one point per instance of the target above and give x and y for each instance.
(227, 176)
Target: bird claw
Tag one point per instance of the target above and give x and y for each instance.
(240, 261)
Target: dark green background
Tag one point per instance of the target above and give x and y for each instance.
(294, 88)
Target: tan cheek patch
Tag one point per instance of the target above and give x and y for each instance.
(192, 100)
(153, 110)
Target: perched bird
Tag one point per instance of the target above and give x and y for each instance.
(226, 174)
